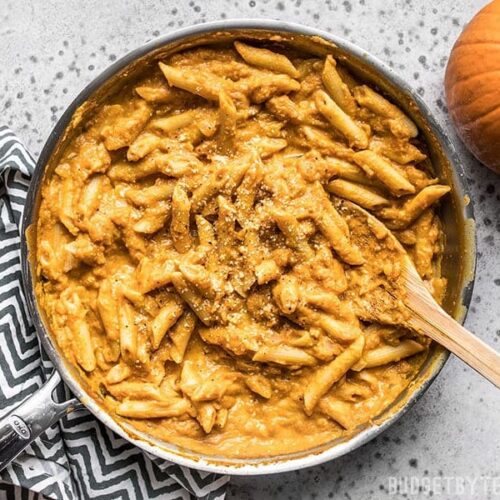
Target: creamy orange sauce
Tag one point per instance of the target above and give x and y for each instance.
(198, 266)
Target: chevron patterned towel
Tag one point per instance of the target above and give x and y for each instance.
(78, 458)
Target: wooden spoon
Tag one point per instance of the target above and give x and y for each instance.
(425, 315)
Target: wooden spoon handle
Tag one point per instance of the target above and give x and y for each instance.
(435, 323)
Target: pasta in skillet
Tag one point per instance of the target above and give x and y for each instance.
(195, 264)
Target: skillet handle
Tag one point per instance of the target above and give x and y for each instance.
(22, 425)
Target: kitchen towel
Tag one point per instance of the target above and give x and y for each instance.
(78, 458)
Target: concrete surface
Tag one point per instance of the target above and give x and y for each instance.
(449, 444)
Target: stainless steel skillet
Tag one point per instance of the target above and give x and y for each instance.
(39, 412)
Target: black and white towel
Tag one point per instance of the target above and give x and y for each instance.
(78, 458)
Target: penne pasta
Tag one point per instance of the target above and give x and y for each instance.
(402, 217)
(225, 229)
(118, 373)
(154, 94)
(107, 305)
(164, 320)
(323, 142)
(274, 85)
(169, 164)
(180, 335)
(284, 355)
(336, 87)
(283, 107)
(264, 58)
(338, 411)
(402, 125)
(67, 205)
(328, 302)
(246, 191)
(426, 235)
(148, 196)
(396, 149)
(144, 144)
(193, 298)
(206, 233)
(376, 166)
(228, 115)
(259, 385)
(154, 409)
(267, 271)
(179, 226)
(134, 391)
(221, 418)
(204, 84)
(124, 123)
(130, 173)
(335, 229)
(292, 231)
(389, 354)
(200, 278)
(268, 146)
(153, 219)
(206, 416)
(83, 346)
(236, 172)
(173, 122)
(352, 391)
(207, 124)
(355, 135)
(324, 377)
(92, 194)
(348, 171)
(154, 273)
(286, 294)
(208, 386)
(128, 330)
(357, 193)
(338, 330)
(205, 192)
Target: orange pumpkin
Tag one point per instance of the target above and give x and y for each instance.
(472, 85)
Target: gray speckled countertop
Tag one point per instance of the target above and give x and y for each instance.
(50, 49)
